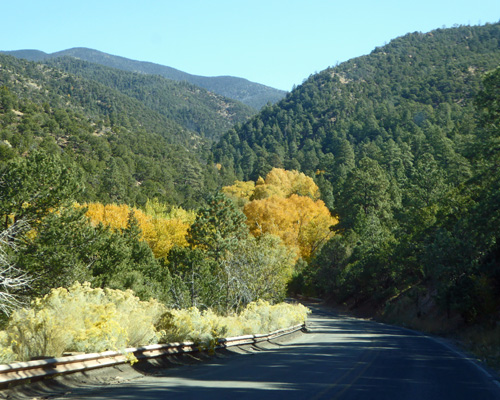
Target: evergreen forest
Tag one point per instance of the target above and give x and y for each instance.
(373, 185)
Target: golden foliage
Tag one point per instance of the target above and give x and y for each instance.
(162, 226)
(283, 183)
(155, 209)
(285, 204)
(116, 216)
(170, 226)
(301, 222)
(166, 234)
(278, 183)
(240, 191)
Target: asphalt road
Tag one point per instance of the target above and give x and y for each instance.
(340, 358)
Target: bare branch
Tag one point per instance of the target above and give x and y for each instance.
(13, 281)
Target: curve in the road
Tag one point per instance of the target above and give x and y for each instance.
(340, 358)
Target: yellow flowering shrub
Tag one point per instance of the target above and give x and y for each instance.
(263, 317)
(204, 327)
(82, 319)
(7, 355)
(201, 327)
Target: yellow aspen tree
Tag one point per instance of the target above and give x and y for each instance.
(292, 182)
(170, 226)
(186, 216)
(111, 215)
(278, 183)
(240, 191)
(315, 222)
(116, 217)
(264, 190)
(302, 223)
(162, 226)
(282, 183)
(167, 233)
(155, 209)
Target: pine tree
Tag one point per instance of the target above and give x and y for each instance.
(218, 227)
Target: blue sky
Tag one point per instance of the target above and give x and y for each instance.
(275, 42)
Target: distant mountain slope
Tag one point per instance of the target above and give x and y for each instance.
(253, 94)
(208, 114)
(31, 55)
(126, 151)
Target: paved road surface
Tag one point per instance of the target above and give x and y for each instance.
(341, 358)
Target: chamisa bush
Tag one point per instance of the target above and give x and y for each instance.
(83, 319)
(80, 319)
(205, 327)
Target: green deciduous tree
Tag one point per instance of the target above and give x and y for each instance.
(259, 268)
(199, 276)
(194, 278)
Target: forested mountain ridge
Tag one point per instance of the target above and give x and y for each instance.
(253, 94)
(196, 109)
(37, 83)
(404, 87)
(127, 151)
(394, 143)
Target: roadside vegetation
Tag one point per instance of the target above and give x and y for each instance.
(85, 319)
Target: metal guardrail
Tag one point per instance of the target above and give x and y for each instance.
(40, 369)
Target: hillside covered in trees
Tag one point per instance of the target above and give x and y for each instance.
(396, 146)
(194, 108)
(252, 94)
(374, 184)
(126, 151)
